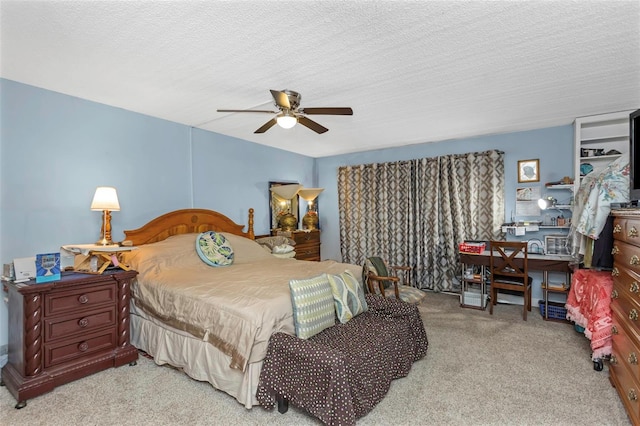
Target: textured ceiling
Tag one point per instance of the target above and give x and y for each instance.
(413, 71)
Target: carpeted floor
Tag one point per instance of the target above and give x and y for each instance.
(479, 370)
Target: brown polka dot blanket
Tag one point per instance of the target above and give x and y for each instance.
(341, 373)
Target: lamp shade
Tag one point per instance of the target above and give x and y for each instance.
(310, 194)
(286, 192)
(547, 203)
(105, 198)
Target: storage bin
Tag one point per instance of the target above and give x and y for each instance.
(556, 310)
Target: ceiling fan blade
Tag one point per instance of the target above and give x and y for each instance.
(327, 111)
(311, 124)
(247, 110)
(281, 98)
(266, 126)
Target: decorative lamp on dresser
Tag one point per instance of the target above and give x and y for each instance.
(624, 370)
(64, 330)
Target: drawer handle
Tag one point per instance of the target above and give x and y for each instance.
(633, 288)
(613, 359)
(83, 322)
(615, 272)
(614, 294)
(82, 347)
(615, 250)
(83, 299)
(614, 330)
(633, 315)
(632, 395)
(633, 359)
(634, 260)
(633, 232)
(617, 229)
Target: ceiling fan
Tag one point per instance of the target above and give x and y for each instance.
(290, 113)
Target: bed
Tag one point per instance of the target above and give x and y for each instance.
(214, 323)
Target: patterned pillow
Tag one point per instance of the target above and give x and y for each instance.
(214, 249)
(348, 296)
(312, 302)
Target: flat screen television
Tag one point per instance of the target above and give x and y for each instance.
(634, 157)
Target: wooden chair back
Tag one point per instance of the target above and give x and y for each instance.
(509, 269)
(513, 261)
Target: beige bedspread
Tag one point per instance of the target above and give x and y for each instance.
(235, 308)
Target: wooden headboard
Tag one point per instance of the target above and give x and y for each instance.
(187, 221)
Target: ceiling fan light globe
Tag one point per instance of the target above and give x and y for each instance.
(286, 121)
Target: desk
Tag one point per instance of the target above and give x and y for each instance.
(537, 262)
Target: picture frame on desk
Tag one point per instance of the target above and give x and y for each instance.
(47, 267)
(556, 244)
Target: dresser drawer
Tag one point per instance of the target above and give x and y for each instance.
(311, 237)
(67, 350)
(626, 255)
(627, 229)
(307, 252)
(60, 327)
(627, 389)
(625, 311)
(623, 368)
(63, 302)
(625, 343)
(626, 284)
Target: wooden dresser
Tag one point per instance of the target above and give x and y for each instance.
(307, 244)
(624, 370)
(64, 330)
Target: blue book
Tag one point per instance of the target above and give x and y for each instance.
(47, 267)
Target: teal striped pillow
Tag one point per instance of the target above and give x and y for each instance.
(312, 302)
(348, 296)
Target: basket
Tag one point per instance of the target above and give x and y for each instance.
(556, 310)
(473, 248)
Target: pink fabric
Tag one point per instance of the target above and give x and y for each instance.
(588, 306)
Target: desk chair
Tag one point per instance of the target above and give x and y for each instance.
(509, 273)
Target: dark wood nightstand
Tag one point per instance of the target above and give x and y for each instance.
(307, 244)
(64, 330)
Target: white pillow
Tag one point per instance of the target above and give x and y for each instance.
(283, 248)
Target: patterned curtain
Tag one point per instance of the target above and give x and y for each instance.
(416, 212)
(374, 209)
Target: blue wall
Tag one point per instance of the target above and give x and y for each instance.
(56, 149)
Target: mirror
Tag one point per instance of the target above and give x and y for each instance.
(278, 205)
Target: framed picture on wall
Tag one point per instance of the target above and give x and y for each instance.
(528, 171)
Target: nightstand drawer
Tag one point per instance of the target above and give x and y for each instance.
(81, 298)
(301, 237)
(308, 252)
(60, 327)
(68, 350)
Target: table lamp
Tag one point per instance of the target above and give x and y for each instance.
(105, 199)
(310, 220)
(547, 203)
(286, 220)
